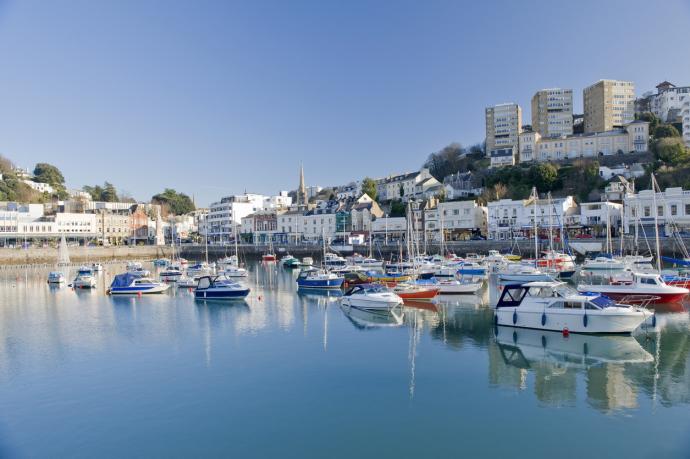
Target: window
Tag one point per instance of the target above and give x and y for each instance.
(647, 211)
(660, 211)
(674, 209)
(572, 305)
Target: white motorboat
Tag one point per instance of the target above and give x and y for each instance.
(603, 263)
(519, 272)
(553, 306)
(97, 267)
(332, 260)
(639, 286)
(84, 279)
(129, 284)
(56, 277)
(371, 297)
(171, 274)
(307, 261)
(234, 271)
(228, 261)
(186, 282)
(199, 269)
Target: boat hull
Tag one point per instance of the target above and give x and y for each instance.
(320, 283)
(221, 294)
(574, 322)
(137, 290)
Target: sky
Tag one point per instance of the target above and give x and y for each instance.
(221, 97)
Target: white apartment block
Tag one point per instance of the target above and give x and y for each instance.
(459, 219)
(507, 218)
(503, 157)
(227, 213)
(668, 102)
(633, 137)
(552, 112)
(503, 127)
(315, 225)
(389, 228)
(672, 207)
(608, 104)
(401, 186)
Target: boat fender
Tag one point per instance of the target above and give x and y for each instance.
(543, 319)
(514, 337)
(585, 349)
(543, 341)
(566, 332)
(585, 320)
(514, 317)
(496, 318)
(653, 320)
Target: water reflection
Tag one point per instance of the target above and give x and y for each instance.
(365, 320)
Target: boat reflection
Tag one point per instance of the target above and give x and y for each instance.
(364, 320)
(556, 360)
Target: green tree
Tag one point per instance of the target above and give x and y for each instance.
(665, 130)
(178, 203)
(47, 173)
(397, 209)
(543, 176)
(671, 151)
(369, 187)
(446, 161)
(109, 193)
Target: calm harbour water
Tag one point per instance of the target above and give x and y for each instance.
(287, 374)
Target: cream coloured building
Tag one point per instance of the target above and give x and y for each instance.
(685, 114)
(552, 112)
(503, 126)
(633, 137)
(608, 104)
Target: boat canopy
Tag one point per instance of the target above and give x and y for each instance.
(676, 261)
(123, 280)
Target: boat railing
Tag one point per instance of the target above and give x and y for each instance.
(641, 301)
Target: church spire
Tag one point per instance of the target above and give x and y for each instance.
(302, 190)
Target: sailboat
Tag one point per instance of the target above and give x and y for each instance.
(270, 254)
(63, 253)
(231, 265)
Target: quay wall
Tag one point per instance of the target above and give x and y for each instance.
(31, 256)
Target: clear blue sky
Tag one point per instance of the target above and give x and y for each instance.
(213, 98)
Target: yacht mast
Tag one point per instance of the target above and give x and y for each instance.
(535, 197)
(656, 224)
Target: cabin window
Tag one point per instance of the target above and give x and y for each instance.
(649, 281)
(556, 305)
(572, 305)
(589, 305)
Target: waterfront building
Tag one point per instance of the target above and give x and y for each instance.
(363, 211)
(631, 138)
(462, 185)
(320, 221)
(608, 104)
(389, 229)
(260, 227)
(402, 186)
(666, 104)
(507, 218)
(503, 127)
(552, 112)
(672, 210)
(460, 221)
(113, 228)
(290, 226)
(593, 217)
(74, 224)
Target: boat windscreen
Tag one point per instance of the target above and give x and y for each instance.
(603, 302)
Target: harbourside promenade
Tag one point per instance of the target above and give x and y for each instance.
(34, 256)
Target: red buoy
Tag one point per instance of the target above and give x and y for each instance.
(566, 332)
(139, 294)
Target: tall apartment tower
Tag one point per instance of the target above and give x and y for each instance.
(552, 112)
(608, 104)
(503, 126)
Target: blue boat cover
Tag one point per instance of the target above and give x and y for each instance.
(123, 280)
(676, 261)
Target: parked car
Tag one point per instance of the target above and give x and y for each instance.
(584, 236)
(477, 237)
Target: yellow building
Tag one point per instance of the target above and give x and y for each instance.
(608, 104)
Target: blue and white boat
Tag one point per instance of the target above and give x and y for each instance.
(130, 284)
(84, 279)
(315, 278)
(220, 288)
(471, 268)
(171, 274)
(161, 262)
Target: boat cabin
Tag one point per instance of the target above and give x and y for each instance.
(552, 295)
